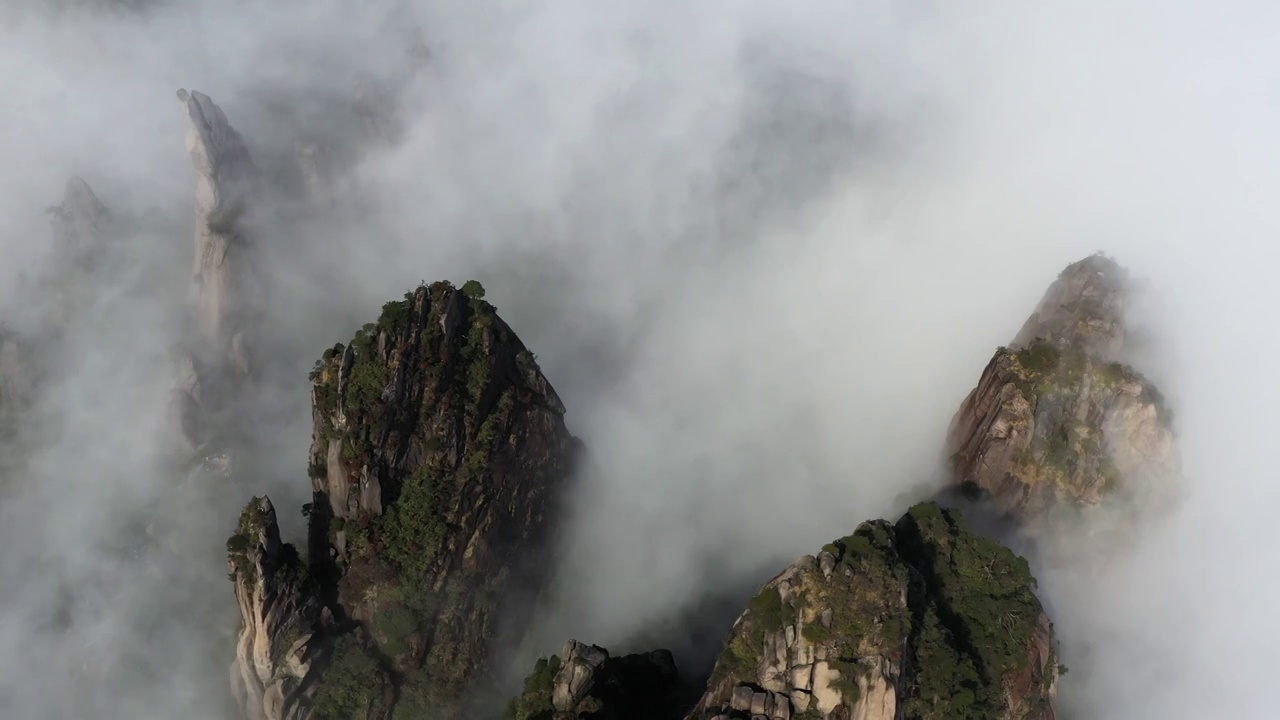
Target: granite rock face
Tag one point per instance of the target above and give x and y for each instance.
(1056, 421)
(921, 619)
(279, 610)
(227, 291)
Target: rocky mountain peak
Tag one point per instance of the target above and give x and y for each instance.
(1083, 309)
(1056, 421)
(438, 461)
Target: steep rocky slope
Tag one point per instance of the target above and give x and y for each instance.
(1056, 421)
(921, 619)
(439, 451)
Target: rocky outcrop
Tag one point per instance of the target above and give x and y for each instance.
(278, 612)
(226, 291)
(82, 255)
(922, 619)
(79, 222)
(584, 681)
(439, 452)
(1056, 421)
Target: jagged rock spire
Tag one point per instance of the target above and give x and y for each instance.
(225, 290)
(79, 222)
(278, 610)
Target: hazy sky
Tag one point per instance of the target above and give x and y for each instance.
(762, 249)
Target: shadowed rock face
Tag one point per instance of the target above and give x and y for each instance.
(439, 452)
(1055, 422)
(584, 681)
(921, 619)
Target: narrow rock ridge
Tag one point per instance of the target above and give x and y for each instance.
(278, 611)
(1055, 422)
(584, 681)
(915, 620)
(226, 291)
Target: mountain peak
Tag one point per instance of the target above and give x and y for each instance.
(1055, 420)
(1083, 308)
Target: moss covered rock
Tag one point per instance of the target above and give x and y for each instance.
(439, 453)
(920, 619)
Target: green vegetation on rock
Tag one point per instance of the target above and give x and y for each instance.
(245, 539)
(980, 615)
(354, 686)
(450, 442)
(955, 611)
(534, 703)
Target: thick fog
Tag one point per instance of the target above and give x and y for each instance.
(761, 249)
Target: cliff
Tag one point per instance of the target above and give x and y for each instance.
(439, 451)
(1056, 421)
(226, 289)
(921, 619)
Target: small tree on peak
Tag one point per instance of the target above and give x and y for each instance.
(473, 289)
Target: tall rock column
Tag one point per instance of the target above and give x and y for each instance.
(226, 291)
